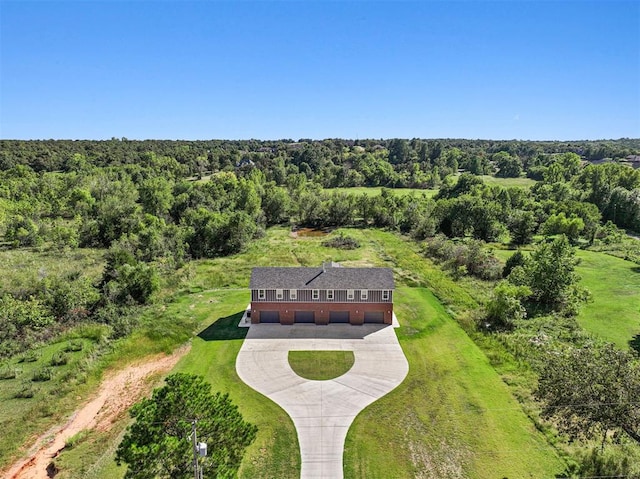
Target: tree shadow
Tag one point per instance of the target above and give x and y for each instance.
(224, 329)
(635, 343)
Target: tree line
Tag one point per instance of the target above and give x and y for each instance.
(152, 206)
(152, 217)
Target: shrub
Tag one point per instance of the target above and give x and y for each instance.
(342, 242)
(43, 374)
(516, 259)
(618, 460)
(59, 359)
(462, 258)
(25, 392)
(74, 346)
(505, 306)
(7, 372)
(76, 439)
(29, 357)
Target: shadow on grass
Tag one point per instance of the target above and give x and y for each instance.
(224, 329)
(635, 343)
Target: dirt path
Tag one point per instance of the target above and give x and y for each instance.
(116, 394)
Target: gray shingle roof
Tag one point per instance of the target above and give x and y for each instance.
(315, 278)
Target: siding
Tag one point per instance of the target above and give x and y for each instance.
(306, 296)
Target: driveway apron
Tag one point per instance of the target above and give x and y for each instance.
(322, 411)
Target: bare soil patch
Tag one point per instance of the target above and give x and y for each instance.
(310, 232)
(117, 393)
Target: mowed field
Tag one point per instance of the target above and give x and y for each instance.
(521, 182)
(452, 417)
(613, 312)
(375, 191)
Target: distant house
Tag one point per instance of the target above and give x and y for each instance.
(245, 162)
(633, 160)
(327, 294)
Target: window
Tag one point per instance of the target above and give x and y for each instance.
(350, 294)
(279, 294)
(261, 294)
(329, 294)
(315, 294)
(293, 294)
(385, 295)
(364, 294)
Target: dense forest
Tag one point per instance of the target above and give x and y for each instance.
(152, 207)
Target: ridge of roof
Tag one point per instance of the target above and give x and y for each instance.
(332, 277)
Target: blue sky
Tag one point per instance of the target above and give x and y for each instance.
(360, 69)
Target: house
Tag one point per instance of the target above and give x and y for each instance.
(326, 294)
(245, 162)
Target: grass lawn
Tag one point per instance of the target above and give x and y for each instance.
(376, 190)
(521, 182)
(452, 417)
(320, 365)
(213, 354)
(614, 312)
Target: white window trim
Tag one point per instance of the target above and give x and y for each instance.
(262, 294)
(351, 294)
(293, 294)
(364, 294)
(315, 294)
(330, 294)
(279, 294)
(385, 295)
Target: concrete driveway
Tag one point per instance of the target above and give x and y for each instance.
(322, 411)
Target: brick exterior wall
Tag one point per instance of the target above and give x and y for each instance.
(321, 310)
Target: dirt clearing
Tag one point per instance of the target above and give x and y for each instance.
(118, 391)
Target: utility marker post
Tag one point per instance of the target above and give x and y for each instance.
(195, 449)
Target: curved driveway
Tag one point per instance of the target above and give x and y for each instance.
(322, 411)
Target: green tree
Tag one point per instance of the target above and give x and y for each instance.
(505, 305)
(276, 205)
(560, 224)
(516, 259)
(592, 390)
(156, 195)
(550, 273)
(127, 281)
(522, 225)
(21, 322)
(508, 166)
(398, 151)
(23, 231)
(157, 444)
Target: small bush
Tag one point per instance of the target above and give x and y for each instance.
(7, 372)
(74, 346)
(29, 357)
(59, 359)
(462, 258)
(60, 390)
(342, 242)
(27, 391)
(43, 374)
(76, 439)
(94, 332)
